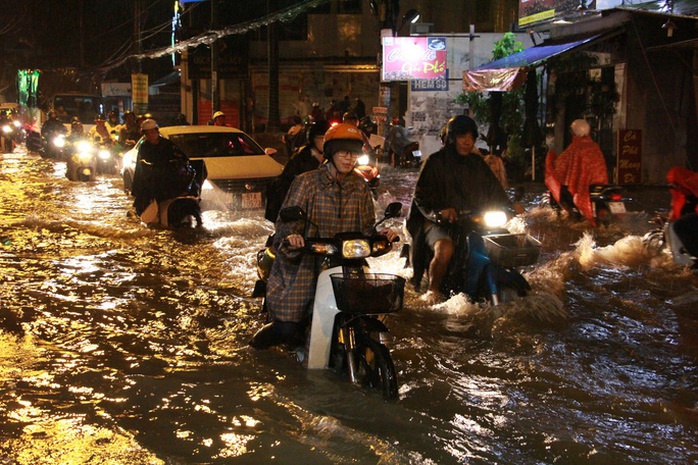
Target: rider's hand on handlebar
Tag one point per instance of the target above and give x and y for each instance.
(295, 241)
(447, 215)
(390, 233)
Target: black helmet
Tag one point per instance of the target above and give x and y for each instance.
(316, 128)
(459, 125)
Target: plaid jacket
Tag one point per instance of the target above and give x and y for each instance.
(333, 207)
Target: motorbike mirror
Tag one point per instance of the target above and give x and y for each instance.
(393, 210)
(289, 214)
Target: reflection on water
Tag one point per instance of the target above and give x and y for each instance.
(124, 344)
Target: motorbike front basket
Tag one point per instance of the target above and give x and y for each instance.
(368, 294)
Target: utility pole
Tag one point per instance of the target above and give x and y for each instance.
(137, 32)
(215, 95)
(273, 72)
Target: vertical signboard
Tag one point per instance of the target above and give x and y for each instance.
(629, 169)
(139, 92)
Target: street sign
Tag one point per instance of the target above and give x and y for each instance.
(629, 156)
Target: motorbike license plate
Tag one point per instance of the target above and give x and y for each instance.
(616, 207)
(251, 200)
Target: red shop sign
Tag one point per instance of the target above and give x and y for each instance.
(408, 58)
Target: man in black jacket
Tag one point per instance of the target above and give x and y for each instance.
(452, 180)
(162, 169)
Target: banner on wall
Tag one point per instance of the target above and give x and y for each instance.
(139, 92)
(408, 58)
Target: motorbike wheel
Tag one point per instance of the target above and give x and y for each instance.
(603, 216)
(509, 294)
(654, 241)
(378, 369)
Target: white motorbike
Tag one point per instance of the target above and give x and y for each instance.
(348, 331)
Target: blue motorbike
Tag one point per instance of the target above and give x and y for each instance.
(487, 258)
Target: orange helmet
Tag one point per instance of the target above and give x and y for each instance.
(343, 136)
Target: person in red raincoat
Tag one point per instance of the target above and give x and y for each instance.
(684, 206)
(579, 166)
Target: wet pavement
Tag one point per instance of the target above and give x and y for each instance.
(125, 344)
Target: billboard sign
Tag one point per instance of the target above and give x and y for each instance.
(538, 11)
(408, 58)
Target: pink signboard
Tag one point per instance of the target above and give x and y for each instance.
(408, 58)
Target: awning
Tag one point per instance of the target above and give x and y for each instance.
(509, 73)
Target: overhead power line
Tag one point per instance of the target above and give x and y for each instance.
(207, 38)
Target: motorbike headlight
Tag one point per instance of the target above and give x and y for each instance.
(85, 157)
(495, 219)
(104, 154)
(17, 124)
(84, 146)
(6, 129)
(363, 160)
(59, 142)
(356, 248)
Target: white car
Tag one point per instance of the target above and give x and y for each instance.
(238, 168)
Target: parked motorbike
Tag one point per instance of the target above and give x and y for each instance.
(486, 260)
(348, 332)
(82, 162)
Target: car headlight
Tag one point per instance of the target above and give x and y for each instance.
(104, 154)
(207, 185)
(363, 160)
(6, 129)
(17, 124)
(356, 248)
(495, 218)
(128, 159)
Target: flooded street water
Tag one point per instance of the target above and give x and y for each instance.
(122, 344)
